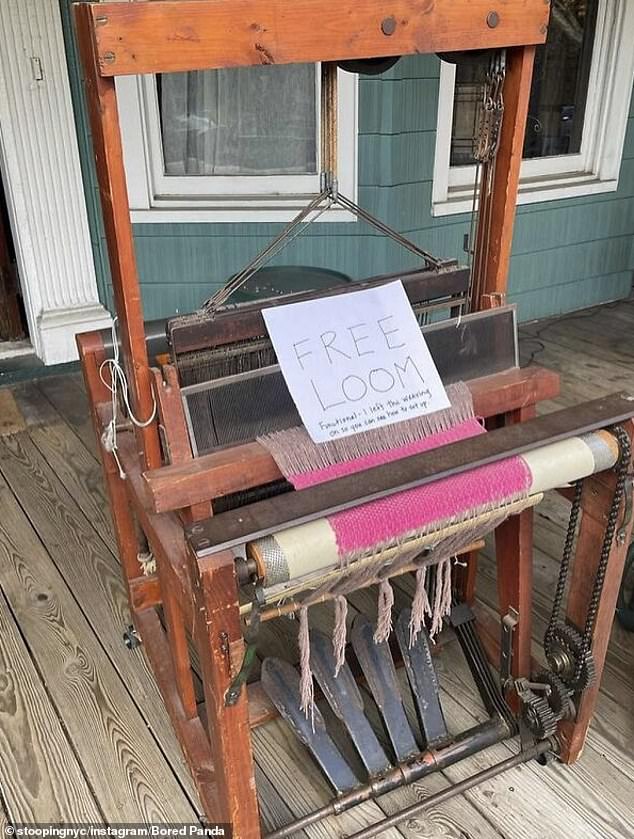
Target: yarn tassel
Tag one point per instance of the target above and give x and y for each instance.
(384, 619)
(436, 620)
(306, 687)
(421, 607)
(442, 596)
(340, 631)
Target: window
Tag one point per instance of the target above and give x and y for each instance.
(240, 144)
(578, 109)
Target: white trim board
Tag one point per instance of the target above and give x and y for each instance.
(41, 172)
(596, 168)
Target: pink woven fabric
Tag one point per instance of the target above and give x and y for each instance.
(419, 509)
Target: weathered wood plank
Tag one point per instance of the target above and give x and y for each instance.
(80, 474)
(283, 759)
(11, 419)
(34, 407)
(181, 36)
(41, 778)
(121, 759)
(68, 397)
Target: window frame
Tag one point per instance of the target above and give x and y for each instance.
(156, 197)
(595, 169)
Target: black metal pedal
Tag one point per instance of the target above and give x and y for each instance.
(378, 668)
(344, 697)
(423, 681)
(281, 682)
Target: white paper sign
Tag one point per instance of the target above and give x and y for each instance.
(356, 361)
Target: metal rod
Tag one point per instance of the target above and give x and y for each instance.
(455, 789)
(468, 743)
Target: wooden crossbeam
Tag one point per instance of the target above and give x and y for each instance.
(250, 464)
(179, 35)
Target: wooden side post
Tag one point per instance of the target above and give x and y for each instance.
(596, 500)
(498, 194)
(514, 559)
(92, 354)
(106, 136)
(218, 638)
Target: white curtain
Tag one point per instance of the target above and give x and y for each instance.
(244, 121)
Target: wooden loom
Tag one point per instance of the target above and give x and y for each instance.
(167, 490)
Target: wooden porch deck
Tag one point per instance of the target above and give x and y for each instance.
(83, 733)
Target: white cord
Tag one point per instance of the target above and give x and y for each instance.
(118, 380)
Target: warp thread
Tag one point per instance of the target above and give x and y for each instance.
(421, 607)
(384, 616)
(442, 596)
(297, 454)
(306, 687)
(340, 632)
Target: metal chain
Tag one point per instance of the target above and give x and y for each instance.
(625, 450)
(486, 141)
(621, 468)
(564, 569)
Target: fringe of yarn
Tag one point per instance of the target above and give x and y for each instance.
(340, 632)
(442, 596)
(306, 686)
(296, 454)
(147, 562)
(384, 619)
(421, 607)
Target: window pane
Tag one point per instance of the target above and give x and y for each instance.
(242, 121)
(558, 94)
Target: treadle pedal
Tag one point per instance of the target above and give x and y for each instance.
(378, 668)
(344, 697)
(280, 680)
(423, 681)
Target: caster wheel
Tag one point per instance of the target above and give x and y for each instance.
(131, 638)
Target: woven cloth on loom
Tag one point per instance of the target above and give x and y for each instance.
(389, 520)
(373, 527)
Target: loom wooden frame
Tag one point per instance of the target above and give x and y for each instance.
(199, 597)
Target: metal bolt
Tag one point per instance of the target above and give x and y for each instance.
(493, 19)
(108, 57)
(388, 26)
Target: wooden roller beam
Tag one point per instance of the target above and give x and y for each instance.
(248, 465)
(178, 35)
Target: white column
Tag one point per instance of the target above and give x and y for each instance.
(43, 181)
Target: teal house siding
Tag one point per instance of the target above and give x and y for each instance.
(567, 254)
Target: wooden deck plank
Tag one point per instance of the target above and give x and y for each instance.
(80, 474)
(11, 419)
(124, 766)
(35, 409)
(92, 573)
(283, 759)
(41, 778)
(68, 397)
